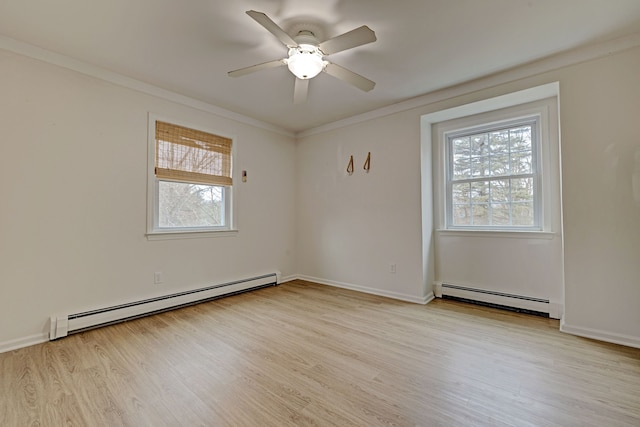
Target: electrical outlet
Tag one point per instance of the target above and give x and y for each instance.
(157, 277)
(392, 268)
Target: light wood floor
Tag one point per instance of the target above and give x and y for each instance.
(306, 354)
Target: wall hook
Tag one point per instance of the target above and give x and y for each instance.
(367, 163)
(350, 166)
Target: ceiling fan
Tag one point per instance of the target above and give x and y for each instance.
(306, 56)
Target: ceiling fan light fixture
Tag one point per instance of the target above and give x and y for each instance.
(305, 61)
(305, 58)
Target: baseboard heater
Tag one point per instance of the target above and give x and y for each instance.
(63, 325)
(489, 298)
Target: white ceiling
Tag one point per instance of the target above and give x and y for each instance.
(423, 45)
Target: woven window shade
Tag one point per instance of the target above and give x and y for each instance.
(184, 154)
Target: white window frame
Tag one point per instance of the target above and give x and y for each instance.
(543, 100)
(535, 122)
(154, 232)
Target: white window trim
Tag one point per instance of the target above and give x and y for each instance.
(154, 233)
(483, 112)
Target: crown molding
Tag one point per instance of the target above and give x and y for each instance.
(67, 62)
(550, 63)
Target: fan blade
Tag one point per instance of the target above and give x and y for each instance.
(348, 76)
(257, 67)
(300, 91)
(272, 27)
(353, 38)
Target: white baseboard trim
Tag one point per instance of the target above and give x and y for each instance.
(287, 279)
(428, 298)
(600, 335)
(395, 295)
(23, 342)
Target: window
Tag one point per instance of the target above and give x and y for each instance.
(492, 175)
(495, 166)
(191, 180)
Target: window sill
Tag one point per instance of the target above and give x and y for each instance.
(192, 234)
(512, 234)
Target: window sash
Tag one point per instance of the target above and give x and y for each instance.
(225, 214)
(533, 122)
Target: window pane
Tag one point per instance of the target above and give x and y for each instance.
(520, 138)
(479, 145)
(461, 167)
(480, 214)
(500, 190)
(499, 165)
(480, 166)
(461, 214)
(479, 192)
(522, 213)
(500, 214)
(190, 205)
(522, 189)
(521, 162)
(499, 142)
(461, 193)
(460, 146)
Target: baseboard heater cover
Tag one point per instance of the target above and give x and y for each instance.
(502, 300)
(63, 325)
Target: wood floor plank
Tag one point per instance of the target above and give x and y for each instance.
(303, 354)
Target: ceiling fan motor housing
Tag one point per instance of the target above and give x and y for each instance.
(305, 60)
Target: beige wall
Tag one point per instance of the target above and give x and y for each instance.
(73, 162)
(600, 103)
(351, 228)
(73, 190)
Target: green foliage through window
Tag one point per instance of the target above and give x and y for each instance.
(190, 205)
(492, 177)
